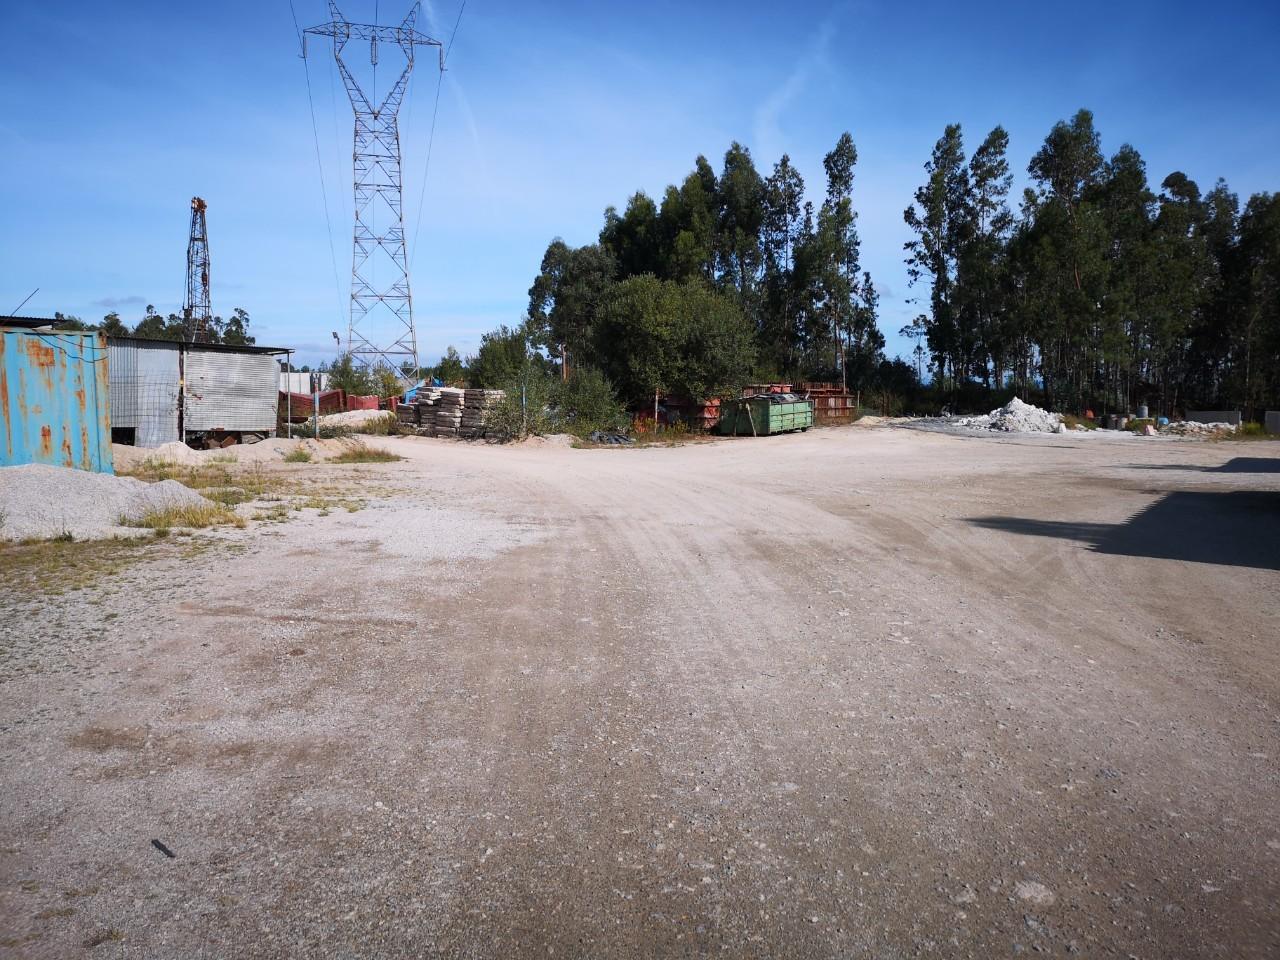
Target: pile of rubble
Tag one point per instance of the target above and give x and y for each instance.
(449, 412)
(1192, 428)
(1015, 417)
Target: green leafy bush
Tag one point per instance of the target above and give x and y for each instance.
(525, 410)
(587, 402)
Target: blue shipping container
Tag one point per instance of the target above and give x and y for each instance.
(56, 407)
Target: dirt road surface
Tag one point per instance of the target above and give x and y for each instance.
(852, 693)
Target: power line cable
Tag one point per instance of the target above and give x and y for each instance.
(431, 139)
(324, 192)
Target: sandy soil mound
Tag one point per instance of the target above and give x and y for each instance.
(550, 440)
(42, 501)
(354, 419)
(273, 450)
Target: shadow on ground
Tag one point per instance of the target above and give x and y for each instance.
(1234, 465)
(1238, 529)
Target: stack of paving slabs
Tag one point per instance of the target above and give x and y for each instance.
(475, 411)
(448, 412)
(426, 400)
(407, 414)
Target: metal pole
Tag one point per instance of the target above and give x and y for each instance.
(288, 394)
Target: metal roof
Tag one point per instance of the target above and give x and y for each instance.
(27, 323)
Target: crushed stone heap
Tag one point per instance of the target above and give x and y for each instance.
(1014, 417)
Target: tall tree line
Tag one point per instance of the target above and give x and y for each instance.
(1100, 291)
(730, 276)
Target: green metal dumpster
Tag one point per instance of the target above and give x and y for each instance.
(765, 414)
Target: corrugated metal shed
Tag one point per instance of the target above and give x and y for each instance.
(165, 390)
(56, 407)
(144, 389)
(230, 391)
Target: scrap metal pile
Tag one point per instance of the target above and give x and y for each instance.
(449, 412)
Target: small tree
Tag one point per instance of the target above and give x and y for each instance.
(348, 376)
(502, 354)
(524, 410)
(113, 326)
(451, 368)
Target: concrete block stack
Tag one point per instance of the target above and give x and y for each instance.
(475, 411)
(407, 414)
(448, 412)
(425, 401)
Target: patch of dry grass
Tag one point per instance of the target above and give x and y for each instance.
(359, 453)
(52, 567)
(190, 516)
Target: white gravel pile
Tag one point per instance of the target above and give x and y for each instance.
(354, 419)
(1014, 417)
(1193, 428)
(40, 501)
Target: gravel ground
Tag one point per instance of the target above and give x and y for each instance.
(856, 692)
(41, 501)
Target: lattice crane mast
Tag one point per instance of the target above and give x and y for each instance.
(197, 314)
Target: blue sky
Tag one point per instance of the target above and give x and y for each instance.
(113, 116)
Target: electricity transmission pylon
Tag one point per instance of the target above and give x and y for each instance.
(196, 310)
(378, 190)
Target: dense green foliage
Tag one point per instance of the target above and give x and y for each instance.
(502, 354)
(1102, 292)
(731, 277)
(537, 401)
(587, 402)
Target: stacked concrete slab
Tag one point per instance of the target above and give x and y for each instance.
(475, 411)
(448, 412)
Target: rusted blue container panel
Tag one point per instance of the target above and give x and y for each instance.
(56, 406)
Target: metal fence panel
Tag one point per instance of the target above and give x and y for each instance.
(303, 382)
(1214, 416)
(144, 389)
(55, 399)
(230, 391)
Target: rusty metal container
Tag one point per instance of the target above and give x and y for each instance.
(55, 399)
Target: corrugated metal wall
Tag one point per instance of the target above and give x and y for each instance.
(55, 399)
(144, 389)
(230, 391)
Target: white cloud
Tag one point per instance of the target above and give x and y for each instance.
(769, 137)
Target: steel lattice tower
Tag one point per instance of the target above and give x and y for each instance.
(378, 190)
(196, 311)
